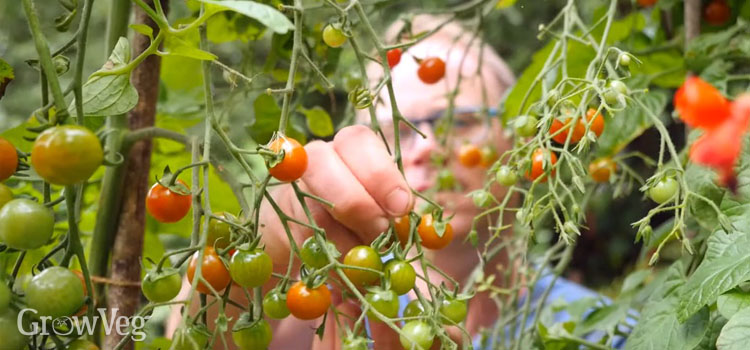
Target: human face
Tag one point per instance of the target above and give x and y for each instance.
(436, 148)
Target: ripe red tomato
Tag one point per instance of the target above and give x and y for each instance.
(469, 155)
(431, 70)
(394, 57)
(366, 257)
(212, 270)
(66, 155)
(717, 13)
(601, 169)
(537, 161)
(647, 3)
(401, 226)
(166, 205)
(700, 104)
(294, 163)
(428, 233)
(8, 159)
(308, 303)
(596, 122)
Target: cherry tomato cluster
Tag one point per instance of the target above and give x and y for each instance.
(724, 123)
(595, 123)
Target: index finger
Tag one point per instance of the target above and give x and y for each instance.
(367, 158)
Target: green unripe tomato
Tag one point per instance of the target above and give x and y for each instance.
(11, 337)
(55, 292)
(5, 296)
(552, 97)
(313, 254)
(453, 311)
(25, 224)
(333, 36)
(618, 86)
(417, 335)
(5, 195)
(482, 198)
(193, 338)
(506, 176)
(446, 180)
(664, 190)
(624, 59)
(384, 302)
(219, 233)
(413, 309)
(252, 336)
(401, 276)
(525, 125)
(163, 287)
(251, 269)
(274, 305)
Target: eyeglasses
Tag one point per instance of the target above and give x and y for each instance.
(467, 124)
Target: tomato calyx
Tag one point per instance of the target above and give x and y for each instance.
(246, 321)
(170, 182)
(159, 273)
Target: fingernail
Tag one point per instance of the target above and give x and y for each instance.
(397, 202)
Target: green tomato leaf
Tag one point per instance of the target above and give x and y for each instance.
(110, 94)
(143, 29)
(267, 119)
(735, 335)
(703, 181)
(6, 75)
(267, 15)
(603, 318)
(318, 121)
(631, 122)
(719, 272)
(659, 329)
(176, 46)
(732, 302)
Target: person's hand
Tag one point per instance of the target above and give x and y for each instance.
(358, 176)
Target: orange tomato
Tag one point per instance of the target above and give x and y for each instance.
(294, 163)
(596, 122)
(8, 159)
(308, 303)
(537, 161)
(401, 226)
(428, 233)
(601, 169)
(431, 70)
(212, 270)
(469, 155)
(578, 132)
(700, 104)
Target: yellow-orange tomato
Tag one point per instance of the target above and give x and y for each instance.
(66, 155)
(601, 169)
(537, 162)
(212, 270)
(8, 159)
(429, 236)
(294, 163)
(401, 226)
(308, 303)
(469, 155)
(596, 122)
